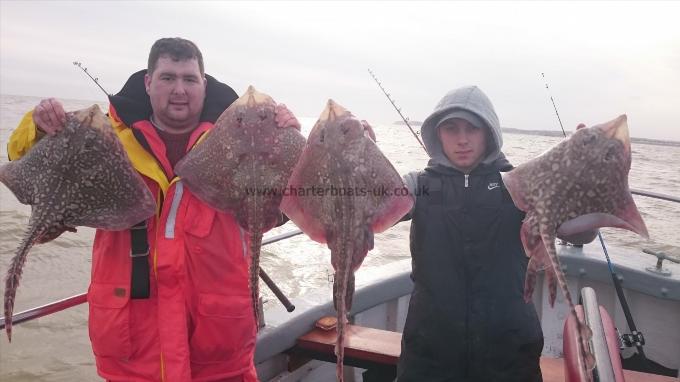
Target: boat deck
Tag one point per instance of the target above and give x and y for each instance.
(366, 347)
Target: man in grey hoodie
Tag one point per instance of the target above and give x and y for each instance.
(467, 319)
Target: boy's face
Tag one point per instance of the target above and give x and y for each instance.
(463, 143)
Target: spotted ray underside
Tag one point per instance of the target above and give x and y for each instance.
(579, 185)
(343, 190)
(81, 176)
(242, 167)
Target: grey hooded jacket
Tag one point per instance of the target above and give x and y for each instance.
(467, 318)
(471, 104)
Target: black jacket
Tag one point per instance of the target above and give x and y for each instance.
(467, 319)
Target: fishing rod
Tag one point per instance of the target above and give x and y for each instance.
(635, 338)
(553, 103)
(398, 109)
(263, 275)
(95, 79)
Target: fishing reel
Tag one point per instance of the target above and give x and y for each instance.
(629, 340)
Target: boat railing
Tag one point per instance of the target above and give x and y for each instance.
(655, 195)
(57, 306)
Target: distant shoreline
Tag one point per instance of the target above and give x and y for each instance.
(552, 133)
(412, 123)
(549, 133)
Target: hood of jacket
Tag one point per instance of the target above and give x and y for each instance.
(463, 101)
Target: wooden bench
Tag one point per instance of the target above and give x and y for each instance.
(375, 350)
(378, 351)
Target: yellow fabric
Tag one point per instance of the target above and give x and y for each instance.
(26, 135)
(23, 137)
(141, 160)
(202, 137)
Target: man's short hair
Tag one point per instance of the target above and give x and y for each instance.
(178, 49)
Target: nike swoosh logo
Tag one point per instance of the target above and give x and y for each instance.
(492, 186)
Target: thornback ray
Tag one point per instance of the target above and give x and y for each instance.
(242, 167)
(579, 185)
(81, 176)
(345, 191)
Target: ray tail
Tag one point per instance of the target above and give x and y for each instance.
(14, 275)
(254, 272)
(584, 332)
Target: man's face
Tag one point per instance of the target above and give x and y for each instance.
(463, 143)
(177, 91)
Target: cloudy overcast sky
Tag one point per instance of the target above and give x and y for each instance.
(600, 59)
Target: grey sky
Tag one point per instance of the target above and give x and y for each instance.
(600, 59)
